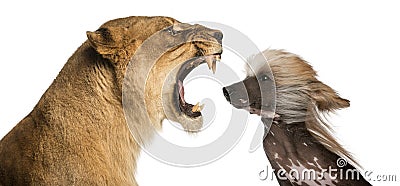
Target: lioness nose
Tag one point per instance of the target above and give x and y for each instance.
(218, 35)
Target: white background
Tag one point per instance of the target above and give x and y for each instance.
(354, 46)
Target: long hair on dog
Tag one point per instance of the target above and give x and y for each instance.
(283, 89)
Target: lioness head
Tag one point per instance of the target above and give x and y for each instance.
(182, 46)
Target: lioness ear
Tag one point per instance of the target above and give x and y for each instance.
(106, 40)
(326, 98)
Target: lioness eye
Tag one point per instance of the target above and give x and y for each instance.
(172, 31)
(264, 78)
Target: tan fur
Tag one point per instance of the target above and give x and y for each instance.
(158, 74)
(301, 97)
(77, 133)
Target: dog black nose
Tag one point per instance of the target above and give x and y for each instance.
(226, 94)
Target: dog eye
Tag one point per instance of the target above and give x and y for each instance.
(264, 78)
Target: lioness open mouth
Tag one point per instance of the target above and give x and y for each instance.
(187, 108)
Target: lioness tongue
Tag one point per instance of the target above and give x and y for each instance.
(181, 92)
(181, 89)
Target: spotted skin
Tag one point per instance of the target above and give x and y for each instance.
(291, 147)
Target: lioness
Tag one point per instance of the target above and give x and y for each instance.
(77, 133)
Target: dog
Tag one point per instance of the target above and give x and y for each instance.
(283, 89)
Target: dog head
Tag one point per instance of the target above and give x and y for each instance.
(256, 93)
(294, 80)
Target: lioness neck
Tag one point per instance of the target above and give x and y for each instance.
(81, 127)
(294, 153)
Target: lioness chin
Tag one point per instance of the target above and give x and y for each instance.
(77, 133)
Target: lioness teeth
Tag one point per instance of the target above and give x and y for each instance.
(197, 107)
(214, 66)
(212, 62)
(201, 107)
(209, 61)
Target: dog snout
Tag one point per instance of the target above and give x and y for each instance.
(226, 94)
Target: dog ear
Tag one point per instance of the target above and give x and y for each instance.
(107, 40)
(325, 98)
